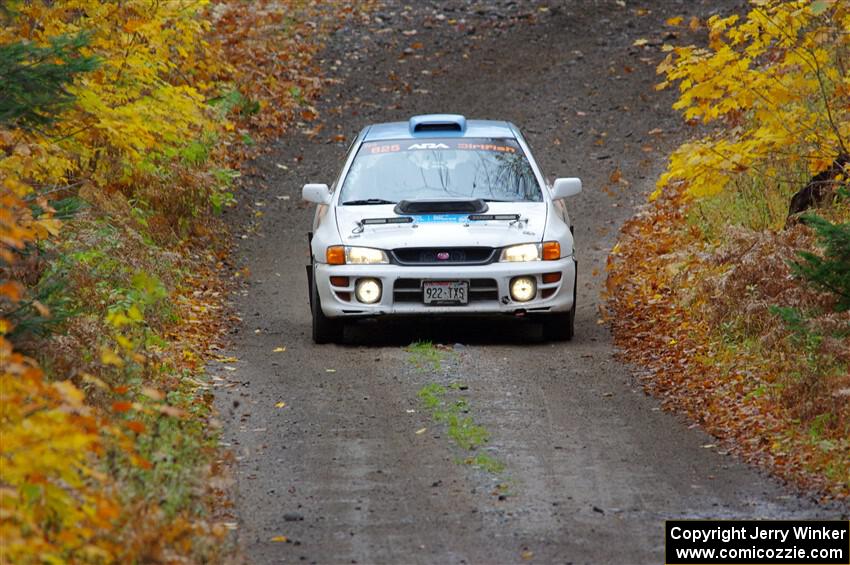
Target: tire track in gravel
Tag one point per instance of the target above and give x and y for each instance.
(593, 465)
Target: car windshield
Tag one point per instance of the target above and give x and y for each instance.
(390, 171)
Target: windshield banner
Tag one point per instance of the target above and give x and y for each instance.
(495, 145)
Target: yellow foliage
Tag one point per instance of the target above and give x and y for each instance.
(774, 86)
(54, 505)
(125, 131)
(141, 100)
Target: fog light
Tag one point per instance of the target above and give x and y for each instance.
(523, 289)
(368, 291)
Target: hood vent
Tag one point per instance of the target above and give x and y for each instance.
(437, 123)
(412, 207)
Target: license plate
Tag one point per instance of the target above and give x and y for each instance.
(446, 292)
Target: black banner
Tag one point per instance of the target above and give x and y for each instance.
(757, 542)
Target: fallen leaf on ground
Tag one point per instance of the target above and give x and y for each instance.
(152, 393)
(616, 175)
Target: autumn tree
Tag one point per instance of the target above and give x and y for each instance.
(772, 88)
(92, 93)
(135, 112)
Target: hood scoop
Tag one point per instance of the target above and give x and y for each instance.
(413, 207)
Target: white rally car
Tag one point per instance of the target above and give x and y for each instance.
(441, 216)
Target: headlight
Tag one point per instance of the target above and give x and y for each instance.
(524, 252)
(339, 255)
(365, 256)
(547, 251)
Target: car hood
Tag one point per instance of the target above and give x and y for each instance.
(442, 230)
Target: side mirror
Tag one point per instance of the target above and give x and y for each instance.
(316, 193)
(564, 188)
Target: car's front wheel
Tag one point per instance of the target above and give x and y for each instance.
(561, 327)
(325, 330)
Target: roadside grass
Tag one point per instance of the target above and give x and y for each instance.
(752, 204)
(134, 320)
(801, 385)
(703, 294)
(742, 313)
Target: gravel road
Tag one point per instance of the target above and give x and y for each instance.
(592, 465)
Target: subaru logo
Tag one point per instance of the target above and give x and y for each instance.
(443, 256)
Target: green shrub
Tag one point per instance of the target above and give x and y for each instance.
(832, 271)
(33, 79)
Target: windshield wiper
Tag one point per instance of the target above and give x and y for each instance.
(367, 202)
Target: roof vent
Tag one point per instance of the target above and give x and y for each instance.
(437, 123)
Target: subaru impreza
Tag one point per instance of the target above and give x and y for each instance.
(441, 216)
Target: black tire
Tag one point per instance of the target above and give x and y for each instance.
(325, 330)
(561, 327)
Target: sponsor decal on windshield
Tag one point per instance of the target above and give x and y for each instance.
(487, 147)
(494, 145)
(384, 148)
(428, 146)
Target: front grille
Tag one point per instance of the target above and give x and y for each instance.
(443, 255)
(410, 290)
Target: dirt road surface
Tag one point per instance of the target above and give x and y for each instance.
(592, 465)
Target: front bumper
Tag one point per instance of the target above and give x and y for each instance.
(489, 289)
